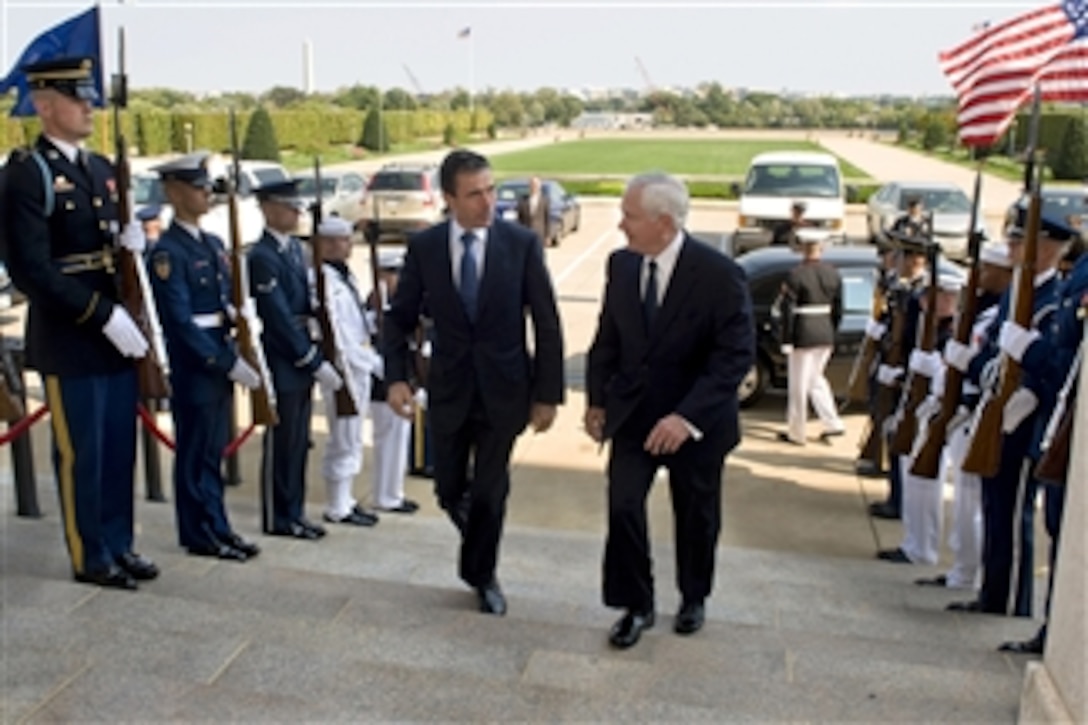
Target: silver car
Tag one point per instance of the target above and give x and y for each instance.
(951, 209)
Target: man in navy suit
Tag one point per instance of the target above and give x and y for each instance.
(479, 276)
(674, 339)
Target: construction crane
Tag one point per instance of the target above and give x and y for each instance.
(645, 75)
(413, 79)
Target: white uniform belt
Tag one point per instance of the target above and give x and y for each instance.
(210, 320)
(812, 310)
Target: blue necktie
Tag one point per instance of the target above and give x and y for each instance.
(649, 298)
(470, 283)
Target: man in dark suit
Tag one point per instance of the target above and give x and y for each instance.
(674, 339)
(478, 277)
(60, 220)
(534, 212)
(281, 289)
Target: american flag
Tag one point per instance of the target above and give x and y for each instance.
(994, 71)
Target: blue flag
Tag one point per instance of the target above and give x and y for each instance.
(75, 37)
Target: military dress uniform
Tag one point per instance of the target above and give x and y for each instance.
(190, 275)
(810, 309)
(60, 219)
(280, 287)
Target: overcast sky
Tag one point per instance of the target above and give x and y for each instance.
(818, 46)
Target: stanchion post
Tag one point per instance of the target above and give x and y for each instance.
(152, 461)
(22, 448)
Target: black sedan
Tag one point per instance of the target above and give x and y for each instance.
(564, 212)
(767, 269)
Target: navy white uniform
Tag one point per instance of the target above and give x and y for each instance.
(60, 216)
(190, 275)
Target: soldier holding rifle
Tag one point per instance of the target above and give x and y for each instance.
(61, 220)
(1008, 488)
(281, 290)
(192, 284)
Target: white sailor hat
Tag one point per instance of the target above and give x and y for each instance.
(949, 282)
(390, 259)
(334, 226)
(191, 169)
(997, 254)
(812, 236)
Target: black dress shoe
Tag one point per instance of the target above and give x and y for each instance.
(318, 529)
(828, 435)
(114, 577)
(973, 606)
(784, 437)
(218, 550)
(937, 581)
(407, 506)
(690, 618)
(491, 599)
(865, 467)
(626, 632)
(138, 567)
(895, 556)
(1033, 646)
(355, 517)
(248, 548)
(296, 530)
(883, 510)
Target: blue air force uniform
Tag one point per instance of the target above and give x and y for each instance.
(59, 219)
(190, 274)
(280, 287)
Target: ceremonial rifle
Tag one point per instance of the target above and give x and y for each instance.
(263, 398)
(1053, 465)
(872, 446)
(857, 386)
(345, 403)
(11, 387)
(152, 369)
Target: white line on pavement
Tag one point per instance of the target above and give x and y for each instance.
(558, 279)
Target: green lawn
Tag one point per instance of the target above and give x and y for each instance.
(683, 157)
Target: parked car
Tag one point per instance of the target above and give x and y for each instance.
(404, 198)
(774, 182)
(951, 209)
(564, 211)
(343, 194)
(1059, 202)
(767, 269)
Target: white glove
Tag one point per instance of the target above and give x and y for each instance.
(249, 314)
(232, 312)
(125, 335)
(786, 349)
(421, 398)
(243, 374)
(426, 349)
(1020, 406)
(1014, 340)
(375, 365)
(327, 376)
(925, 363)
(888, 375)
(133, 239)
(936, 383)
(875, 330)
(958, 355)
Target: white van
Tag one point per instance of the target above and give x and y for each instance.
(775, 181)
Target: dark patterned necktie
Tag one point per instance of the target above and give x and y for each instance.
(649, 298)
(470, 283)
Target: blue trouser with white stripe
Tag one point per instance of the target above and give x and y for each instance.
(202, 433)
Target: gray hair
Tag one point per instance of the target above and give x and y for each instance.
(664, 194)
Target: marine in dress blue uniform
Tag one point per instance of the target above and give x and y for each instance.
(1008, 497)
(278, 280)
(190, 274)
(60, 220)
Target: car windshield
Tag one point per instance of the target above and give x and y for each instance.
(946, 201)
(1062, 204)
(147, 190)
(307, 186)
(512, 191)
(397, 181)
(793, 180)
(857, 290)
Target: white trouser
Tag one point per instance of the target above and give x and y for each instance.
(343, 458)
(807, 382)
(391, 434)
(922, 511)
(965, 531)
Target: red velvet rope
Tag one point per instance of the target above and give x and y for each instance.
(149, 422)
(234, 445)
(24, 423)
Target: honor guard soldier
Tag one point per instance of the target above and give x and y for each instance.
(1008, 497)
(810, 310)
(150, 218)
(190, 274)
(277, 273)
(343, 457)
(60, 220)
(392, 432)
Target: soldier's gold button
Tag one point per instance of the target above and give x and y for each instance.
(97, 202)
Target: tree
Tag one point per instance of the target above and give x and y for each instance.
(260, 141)
(283, 96)
(375, 134)
(398, 99)
(1068, 163)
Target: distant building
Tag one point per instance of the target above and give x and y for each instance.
(602, 120)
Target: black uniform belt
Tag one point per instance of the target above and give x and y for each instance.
(86, 262)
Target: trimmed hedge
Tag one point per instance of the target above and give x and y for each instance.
(699, 189)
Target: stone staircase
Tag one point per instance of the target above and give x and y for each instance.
(373, 625)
